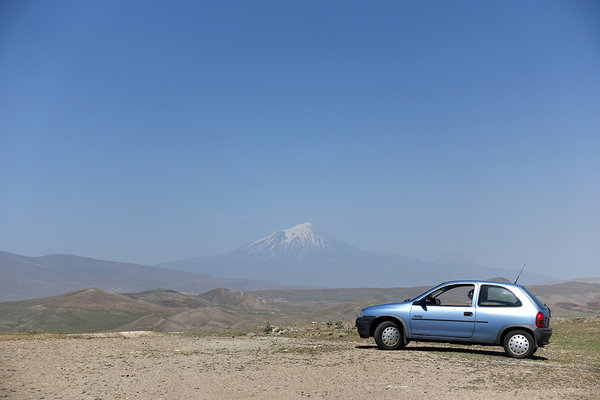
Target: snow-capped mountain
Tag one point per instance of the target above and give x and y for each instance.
(297, 242)
(303, 255)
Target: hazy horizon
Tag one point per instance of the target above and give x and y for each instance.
(155, 131)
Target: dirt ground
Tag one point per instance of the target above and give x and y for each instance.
(176, 366)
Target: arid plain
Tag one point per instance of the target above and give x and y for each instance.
(299, 361)
(94, 344)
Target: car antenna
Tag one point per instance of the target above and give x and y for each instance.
(518, 276)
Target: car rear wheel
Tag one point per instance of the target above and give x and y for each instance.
(519, 344)
(388, 336)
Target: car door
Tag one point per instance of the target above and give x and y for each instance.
(446, 312)
(497, 307)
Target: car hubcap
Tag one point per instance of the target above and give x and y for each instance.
(390, 336)
(518, 344)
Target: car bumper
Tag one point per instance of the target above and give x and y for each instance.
(363, 325)
(542, 336)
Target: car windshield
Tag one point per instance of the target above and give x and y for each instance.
(419, 295)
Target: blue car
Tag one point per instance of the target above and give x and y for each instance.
(467, 312)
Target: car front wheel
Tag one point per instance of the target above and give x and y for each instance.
(388, 336)
(519, 344)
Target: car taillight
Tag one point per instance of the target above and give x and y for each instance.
(539, 320)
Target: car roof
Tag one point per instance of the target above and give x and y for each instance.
(479, 282)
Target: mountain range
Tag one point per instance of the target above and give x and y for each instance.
(305, 255)
(302, 256)
(23, 277)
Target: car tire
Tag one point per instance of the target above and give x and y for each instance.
(519, 344)
(389, 336)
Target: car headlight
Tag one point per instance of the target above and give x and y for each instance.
(361, 313)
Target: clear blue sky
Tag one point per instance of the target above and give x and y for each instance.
(151, 131)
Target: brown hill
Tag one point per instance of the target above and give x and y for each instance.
(234, 298)
(98, 299)
(158, 309)
(79, 311)
(171, 298)
(205, 318)
(88, 300)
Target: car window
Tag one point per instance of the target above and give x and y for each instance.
(535, 299)
(497, 296)
(456, 295)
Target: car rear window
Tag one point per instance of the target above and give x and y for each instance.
(497, 296)
(535, 299)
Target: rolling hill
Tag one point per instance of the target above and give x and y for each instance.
(93, 310)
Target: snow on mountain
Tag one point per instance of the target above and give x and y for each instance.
(296, 241)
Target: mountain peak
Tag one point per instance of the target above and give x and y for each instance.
(301, 231)
(307, 226)
(299, 240)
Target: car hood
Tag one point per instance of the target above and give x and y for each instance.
(383, 308)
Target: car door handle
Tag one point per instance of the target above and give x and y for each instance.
(468, 314)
